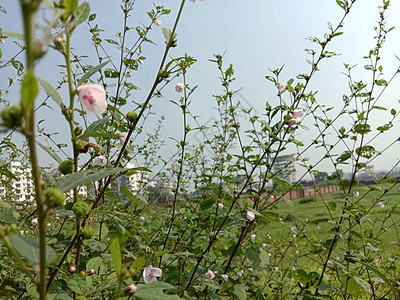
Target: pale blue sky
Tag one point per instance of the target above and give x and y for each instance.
(255, 35)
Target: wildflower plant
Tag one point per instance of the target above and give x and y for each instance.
(216, 223)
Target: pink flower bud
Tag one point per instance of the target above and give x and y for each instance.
(141, 62)
(253, 236)
(264, 245)
(34, 221)
(179, 87)
(236, 136)
(141, 218)
(2, 41)
(381, 205)
(240, 273)
(220, 205)
(224, 155)
(93, 98)
(250, 216)
(157, 22)
(224, 277)
(291, 122)
(329, 263)
(281, 86)
(122, 137)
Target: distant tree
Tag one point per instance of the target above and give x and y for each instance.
(321, 176)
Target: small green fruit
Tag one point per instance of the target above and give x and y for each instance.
(80, 147)
(66, 167)
(12, 116)
(131, 116)
(87, 233)
(54, 197)
(80, 208)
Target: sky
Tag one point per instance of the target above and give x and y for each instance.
(254, 36)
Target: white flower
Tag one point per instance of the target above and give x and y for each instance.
(250, 269)
(141, 218)
(253, 236)
(92, 97)
(276, 269)
(34, 221)
(209, 275)
(264, 245)
(240, 273)
(157, 22)
(329, 263)
(236, 136)
(224, 155)
(224, 277)
(250, 216)
(356, 194)
(381, 205)
(294, 229)
(150, 274)
(2, 41)
(179, 87)
(377, 260)
(100, 160)
(297, 114)
(122, 137)
(220, 205)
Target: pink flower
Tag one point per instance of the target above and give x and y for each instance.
(281, 86)
(381, 205)
(297, 114)
(356, 194)
(150, 274)
(65, 75)
(291, 122)
(224, 277)
(122, 137)
(141, 62)
(141, 218)
(269, 254)
(297, 252)
(240, 273)
(266, 132)
(250, 216)
(19, 207)
(224, 155)
(179, 87)
(377, 260)
(253, 236)
(209, 275)
(329, 263)
(34, 221)
(264, 245)
(100, 160)
(220, 205)
(93, 98)
(276, 269)
(250, 269)
(236, 136)
(2, 41)
(157, 22)
(294, 229)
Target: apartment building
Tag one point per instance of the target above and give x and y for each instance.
(22, 188)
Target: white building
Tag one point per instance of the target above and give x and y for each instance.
(22, 187)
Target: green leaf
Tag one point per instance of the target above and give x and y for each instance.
(91, 72)
(124, 190)
(99, 134)
(379, 273)
(73, 180)
(94, 263)
(97, 246)
(332, 206)
(29, 92)
(50, 152)
(96, 125)
(115, 250)
(82, 12)
(29, 249)
(92, 17)
(70, 5)
(154, 291)
(362, 283)
(7, 214)
(79, 284)
(239, 290)
(393, 112)
(51, 92)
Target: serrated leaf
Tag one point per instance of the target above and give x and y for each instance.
(96, 125)
(51, 91)
(29, 249)
(94, 263)
(115, 250)
(92, 71)
(73, 180)
(154, 291)
(79, 284)
(82, 12)
(7, 214)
